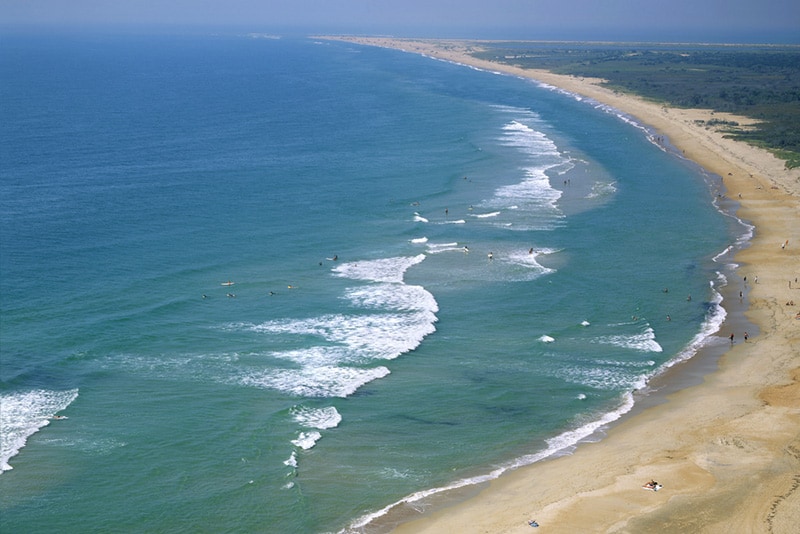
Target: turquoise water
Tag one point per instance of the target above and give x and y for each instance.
(437, 274)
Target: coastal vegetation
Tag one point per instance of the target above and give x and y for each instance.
(760, 82)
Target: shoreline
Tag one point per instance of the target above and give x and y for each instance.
(726, 449)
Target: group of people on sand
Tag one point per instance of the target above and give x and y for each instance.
(652, 485)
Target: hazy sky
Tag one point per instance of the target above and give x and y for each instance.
(433, 18)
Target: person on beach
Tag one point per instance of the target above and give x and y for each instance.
(731, 338)
(745, 337)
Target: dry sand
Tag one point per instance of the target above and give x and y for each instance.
(727, 451)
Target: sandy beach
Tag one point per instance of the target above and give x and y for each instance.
(727, 451)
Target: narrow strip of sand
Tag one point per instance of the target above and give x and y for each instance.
(727, 451)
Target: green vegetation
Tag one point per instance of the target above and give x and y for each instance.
(759, 82)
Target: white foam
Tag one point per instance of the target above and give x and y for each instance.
(24, 413)
(602, 190)
(643, 342)
(546, 339)
(319, 418)
(381, 270)
(534, 195)
(486, 215)
(306, 440)
(323, 381)
(291, 461)
(603, 377)
(395, 318)
(585, 323)
(530, 260)
(419, 218)
(419, 240)
(436, 248)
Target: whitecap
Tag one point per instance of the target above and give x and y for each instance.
(486, 215)
(643, 342)
(320, 418)
(324, 381)
(380, 270)
(306, 440)
(291, 461)
(546, 339)
(436, 248)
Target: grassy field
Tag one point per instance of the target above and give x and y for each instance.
(759, 82)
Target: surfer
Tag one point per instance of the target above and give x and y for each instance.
(491, 255)
(335, 257)
(530, 250)
(466, 250)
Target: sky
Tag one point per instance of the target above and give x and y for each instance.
(718, 20)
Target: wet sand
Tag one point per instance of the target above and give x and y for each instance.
(727, 449)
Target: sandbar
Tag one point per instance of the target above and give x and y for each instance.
(727, 450)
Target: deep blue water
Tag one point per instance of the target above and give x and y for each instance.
(437, 274)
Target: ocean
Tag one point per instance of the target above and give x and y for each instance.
(286, 285)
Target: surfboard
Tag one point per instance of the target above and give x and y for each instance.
(227, 283)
